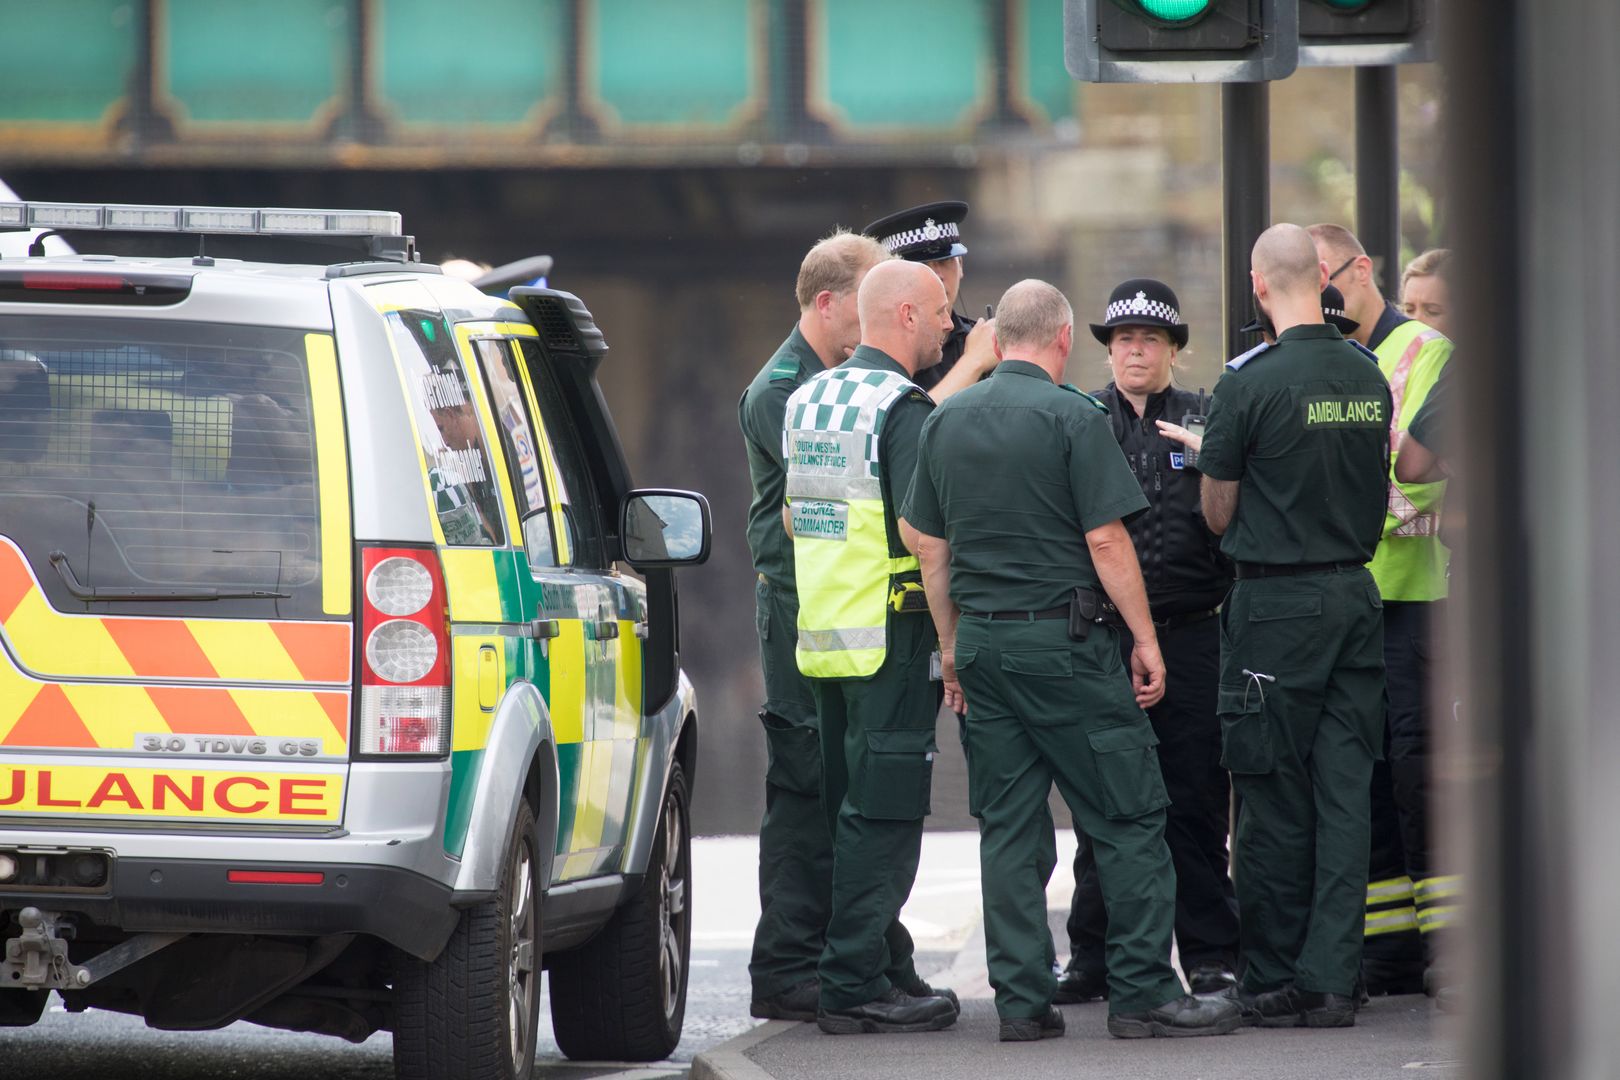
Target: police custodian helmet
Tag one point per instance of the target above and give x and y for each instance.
(925, 233)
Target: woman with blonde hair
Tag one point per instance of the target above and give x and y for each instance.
(1426, 289)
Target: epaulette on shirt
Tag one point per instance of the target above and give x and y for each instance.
(1073, 389)
(1237, 363)
(1368, 353)
(786, 369)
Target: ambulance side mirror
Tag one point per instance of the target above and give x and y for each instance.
(663, 527)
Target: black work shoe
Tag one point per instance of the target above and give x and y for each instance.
(1210, 977)
(920, 989)
(1323, 1010)
(1080, 984)
(795, 1003)
(1030, 1029)
(1271, 1008)
(894, 1011)
(1179, 1018)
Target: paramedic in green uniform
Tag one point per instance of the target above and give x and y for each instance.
(795, 847)
(1295, 462)
(864, 639)
(1017, 508)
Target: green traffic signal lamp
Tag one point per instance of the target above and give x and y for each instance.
(1156, 41)
(1174, 12)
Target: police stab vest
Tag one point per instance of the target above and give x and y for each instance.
(1410, 563)
(841, 557)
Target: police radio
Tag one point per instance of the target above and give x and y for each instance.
(1195, 423)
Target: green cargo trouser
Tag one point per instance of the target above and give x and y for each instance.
(1044, 708)
(877, 747)
(1302, 713)
(795, 845)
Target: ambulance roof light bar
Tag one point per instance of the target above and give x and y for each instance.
(382, 230)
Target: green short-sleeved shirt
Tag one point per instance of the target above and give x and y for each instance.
(1015, 471)
(897, 449)
(1429, 422)
(1304, 429)
(761, 412)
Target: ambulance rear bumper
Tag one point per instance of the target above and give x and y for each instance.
(398, 906)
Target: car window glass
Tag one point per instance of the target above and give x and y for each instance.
(163, 456)
(522, 448)
(576, 493)
(459, 473)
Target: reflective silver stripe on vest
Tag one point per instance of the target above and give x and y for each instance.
(804, 486)
(842, 640)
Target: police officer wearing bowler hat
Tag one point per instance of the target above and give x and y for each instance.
(932, 235)
(1294, 462)
(1186, 578)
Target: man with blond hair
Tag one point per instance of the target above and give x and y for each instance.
(1294, 461)
(795, 847)
(1016, 514)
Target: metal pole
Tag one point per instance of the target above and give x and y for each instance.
(1378, 173)
(1245, 199)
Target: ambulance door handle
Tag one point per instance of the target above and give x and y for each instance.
(544, 628)
(607, 628)
(641, 631)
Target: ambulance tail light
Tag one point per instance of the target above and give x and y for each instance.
(404, 655)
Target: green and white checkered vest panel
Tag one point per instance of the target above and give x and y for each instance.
(830, 442)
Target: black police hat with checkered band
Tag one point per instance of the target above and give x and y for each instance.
(1143, 302)
(924, 233)
(1332, 313)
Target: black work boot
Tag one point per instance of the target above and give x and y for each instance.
(893, 1011)
(1210, 977)
(1178, 1018)
(1325, 1010)
(1080, 983)
(795, 1003)
(1030, 1029)
(919, 989)
(1278, 1008)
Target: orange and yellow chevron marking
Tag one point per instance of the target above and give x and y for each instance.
(115, 791)
(109, 716)
(53, 643)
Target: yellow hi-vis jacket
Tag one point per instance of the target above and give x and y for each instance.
(841, 556)
(1410, 563)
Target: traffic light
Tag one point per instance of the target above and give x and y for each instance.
(1180, 40)
(1365, 33)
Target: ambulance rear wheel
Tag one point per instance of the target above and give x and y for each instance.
(473, 1013)
(622, 995)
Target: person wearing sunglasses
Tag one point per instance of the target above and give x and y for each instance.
(1411, 898)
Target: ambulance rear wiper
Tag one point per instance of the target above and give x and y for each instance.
(59, 560)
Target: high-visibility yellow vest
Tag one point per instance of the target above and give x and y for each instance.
(841, 557)
(1410, 563)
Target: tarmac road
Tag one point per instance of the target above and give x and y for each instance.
(112, 1046)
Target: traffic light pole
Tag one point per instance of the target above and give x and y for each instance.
(1245, 199)
(1378, 173)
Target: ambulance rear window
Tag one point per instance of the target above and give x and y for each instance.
(170, 466)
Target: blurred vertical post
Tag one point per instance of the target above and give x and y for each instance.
(1378, 173)
(1535, 99)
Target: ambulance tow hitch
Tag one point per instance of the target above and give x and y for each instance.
(37, 959)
